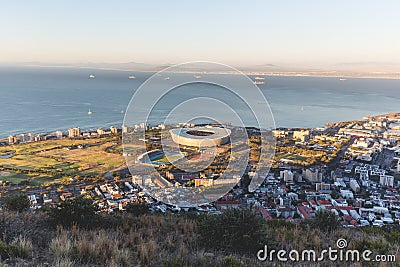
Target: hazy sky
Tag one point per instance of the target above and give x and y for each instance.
(233, 32)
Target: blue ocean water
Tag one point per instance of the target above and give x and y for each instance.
(44, 99)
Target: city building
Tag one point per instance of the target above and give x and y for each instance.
(322, 186)
(279, 133)
(346, 194)
(386, 180)
(12, 139)
(354, 186)
(39, 137)
(74, 132)
(287, 176)
(25, 138)
(113, 130)
(59, 134)
(312, 175)
(102, 132)
(203, 182)
(302, 135)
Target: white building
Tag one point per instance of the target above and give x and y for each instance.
(279, 133)
(301, 135)
(287, 176)
(322, 186)
(113, 130)
(59, 134)
(386, 180)
(354, 186)
(362, 143)
(74, 132)
(25, 138)
(312, 175)
(346, 194)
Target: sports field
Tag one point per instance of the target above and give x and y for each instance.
(58, 160)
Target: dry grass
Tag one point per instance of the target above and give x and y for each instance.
(61, 246)
(147, 251)
(91, 160)
(157, 240)
(64, 262)
(23, 246)
(144, 243)
(47, 159)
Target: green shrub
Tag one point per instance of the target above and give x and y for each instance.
(16, 202)
(325, 220)
(236, 230)
(22, 247)
(137, 209)
(79, 211)
(231, 261)
(15, 250)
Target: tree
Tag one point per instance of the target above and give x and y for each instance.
(334, 194)
(16, 202)
(325, 220)
(236, 230)
(137, 209)
(79, 211)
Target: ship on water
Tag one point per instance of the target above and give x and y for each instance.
(132, 77)
(258, 82)
(91, 76)
(259, 78)
(89, 112)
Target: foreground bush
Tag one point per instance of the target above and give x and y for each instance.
(20, 247)
(325, 220)
(79, 211)
(16, 202)
(236, 230)
(122, 239)
(137, 209)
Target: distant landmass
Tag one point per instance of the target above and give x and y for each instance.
(346, 69)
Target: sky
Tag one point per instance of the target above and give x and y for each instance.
(307, 33)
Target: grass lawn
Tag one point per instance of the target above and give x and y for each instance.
(48, 161)
(42, 180)
(37, 163)
(164, 158)
(289, 156)
(29, 148)
(93, 160)
(35, 179)
(13, 177)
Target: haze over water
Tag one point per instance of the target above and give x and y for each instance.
(48, 99)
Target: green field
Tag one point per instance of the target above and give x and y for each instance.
(51, 161)
(29, 148)
(92, 161)
(15, 178)
(28, 179)
(164, 158)
(289, 156)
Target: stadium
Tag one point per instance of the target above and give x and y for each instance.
(200, 136)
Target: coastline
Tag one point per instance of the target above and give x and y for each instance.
(64, 130)
(151, 71)
(119, 126)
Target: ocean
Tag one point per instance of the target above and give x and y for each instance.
(45, 99)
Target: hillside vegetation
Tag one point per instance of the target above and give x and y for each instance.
(138, 238)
